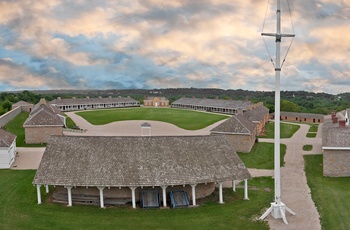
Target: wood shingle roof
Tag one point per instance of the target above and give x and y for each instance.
(6, 138)
(236, 124)
(228, 104)
(139, 161)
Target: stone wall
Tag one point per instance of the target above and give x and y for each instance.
(336, 163)
(38, 135)
(7, 117)
(242, 143)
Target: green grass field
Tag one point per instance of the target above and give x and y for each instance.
(307, 147)
(313, 128)
(186, 119)
(331, 195)
(16, 127)
(286, 130)
(262, 156)
(69, 122)
(311, 135)
(19, 210)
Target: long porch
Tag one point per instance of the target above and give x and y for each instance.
(103, 196)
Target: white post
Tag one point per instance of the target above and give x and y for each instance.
(133, 197)
(69, 189)
(47, 188)
(193, 194)
(246, 189)
(164, 195)
(277, 208)
(221, 200)
(101, 196)
(38, 193)
(234, 185)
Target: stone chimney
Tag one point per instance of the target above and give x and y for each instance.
(99, 97)
(335, 119)
(74, 98)
(240, 111)
(192, 97)
(216, 98)
(342, 123)
(87, 97)
(59, 98)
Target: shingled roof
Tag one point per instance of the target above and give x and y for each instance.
(139, 161)
(229, 104)
(256, 114)
(335, 137)
(83, 101)
(6, 138)
(42, 116)
(21, 103)
(236, 124)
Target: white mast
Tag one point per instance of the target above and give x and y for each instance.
(277, 208)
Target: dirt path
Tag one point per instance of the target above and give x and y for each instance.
(294, 189)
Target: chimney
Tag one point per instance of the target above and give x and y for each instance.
(204, 97)
(216, 97)
(87, 97)
(109, 96)
(192, 97)
(246, 99)
(240, 111)
(59, 98)
(74, 98)
(99, 97)
(342, 123)
(335, 119)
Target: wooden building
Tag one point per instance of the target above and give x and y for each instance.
(88, 103)
(117, 169)
(212, 105)
(7, 149)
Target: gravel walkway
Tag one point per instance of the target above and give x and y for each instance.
(294, 189)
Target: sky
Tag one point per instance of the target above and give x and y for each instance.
(146, 44)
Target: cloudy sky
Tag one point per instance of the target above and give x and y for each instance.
(68, 44)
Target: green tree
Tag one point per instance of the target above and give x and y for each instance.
(288, 106)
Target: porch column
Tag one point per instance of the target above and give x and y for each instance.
(133, 196)
(221, 200)
(246, 189)
(234, 185)
(193, 194)
(164, 195)
(69, 189)
(38, 193)
(102, 205)
(47, 188)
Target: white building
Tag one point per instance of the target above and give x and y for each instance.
(7, 149)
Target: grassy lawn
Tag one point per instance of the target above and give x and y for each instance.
(307, 147)
(19, 210)
(287, 130)
(313, 128)
(331, 195)
(262, 156)
(186, 119)
(69, 122)
(16, 127)
(311, 135)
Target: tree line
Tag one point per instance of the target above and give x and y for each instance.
(291, 101)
